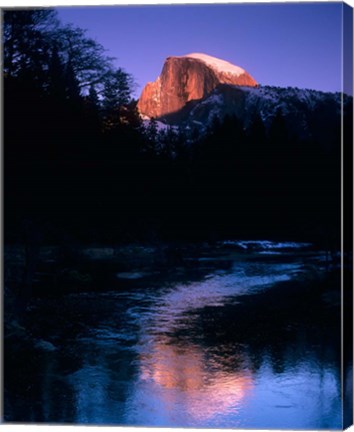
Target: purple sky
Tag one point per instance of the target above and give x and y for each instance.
(286, 44)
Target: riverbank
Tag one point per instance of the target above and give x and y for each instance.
(62, 271)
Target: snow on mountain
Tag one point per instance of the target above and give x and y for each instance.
(300, 108)
(217, 64)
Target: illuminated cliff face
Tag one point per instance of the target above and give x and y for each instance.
(187, 78)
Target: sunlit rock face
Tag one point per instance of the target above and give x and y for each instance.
(188, 78)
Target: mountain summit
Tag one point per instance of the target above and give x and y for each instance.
(186, 78)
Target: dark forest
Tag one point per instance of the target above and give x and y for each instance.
(81, 165)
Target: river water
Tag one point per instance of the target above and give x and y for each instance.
(224, 348)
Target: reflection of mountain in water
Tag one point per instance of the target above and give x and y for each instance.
(197, 385)
(251, 344)
(204, 362)
(188, 385)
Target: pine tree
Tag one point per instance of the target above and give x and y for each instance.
(56, 80)
(93, 97)
(71, 83)
(278, 133)
(118, 87)
(152, 130)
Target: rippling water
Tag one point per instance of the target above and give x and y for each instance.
(193, 354)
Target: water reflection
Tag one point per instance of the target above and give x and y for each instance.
(191, 383)
(186, 380)
(188, 386)
(192, 354)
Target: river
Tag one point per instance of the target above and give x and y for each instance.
(242, 343)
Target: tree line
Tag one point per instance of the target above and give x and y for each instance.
(80, 162)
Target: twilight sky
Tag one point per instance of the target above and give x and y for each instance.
(289, 44)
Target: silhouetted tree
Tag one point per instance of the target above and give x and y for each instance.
(27, 42)
(72, 85)
(85, 56)
(151, 133)
(93, 97)
(256, 133)
(118, 87)
(278, 133)
(56, 75)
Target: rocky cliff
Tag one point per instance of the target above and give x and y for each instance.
(187, 78)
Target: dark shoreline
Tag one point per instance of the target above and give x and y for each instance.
(94, 270)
